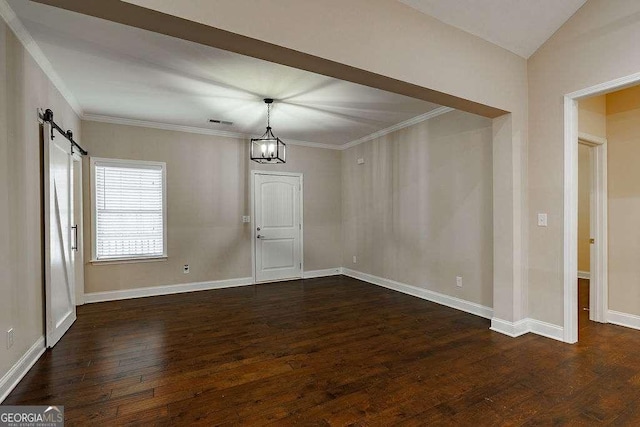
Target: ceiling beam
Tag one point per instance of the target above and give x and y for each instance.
(151, 20)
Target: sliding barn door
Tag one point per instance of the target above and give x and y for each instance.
(278, 234)
(60, 236)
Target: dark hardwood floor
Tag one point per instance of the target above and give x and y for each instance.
(329, 351)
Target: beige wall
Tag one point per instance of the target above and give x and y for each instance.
(23, 88)
(419, 210)
(394, 41)
(623, 139)
(596, 45)
(207, 195)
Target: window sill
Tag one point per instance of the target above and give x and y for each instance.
(128, 260)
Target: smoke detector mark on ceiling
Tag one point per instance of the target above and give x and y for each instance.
(221, 122)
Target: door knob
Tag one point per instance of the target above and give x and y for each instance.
(258, 228)
(259, 236)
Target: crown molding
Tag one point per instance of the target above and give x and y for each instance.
(162, 126)
(12, 20)
(194, 129)
(418, 119)
(214, 132)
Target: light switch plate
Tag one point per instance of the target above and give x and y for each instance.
(246, 218)
(361, 161)
(542, 220)
(10, 338)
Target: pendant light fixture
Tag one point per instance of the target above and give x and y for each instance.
(268, 148)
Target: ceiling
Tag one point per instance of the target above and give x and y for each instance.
(520, 26)
(124, 72)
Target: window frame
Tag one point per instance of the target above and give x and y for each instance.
(94, 214)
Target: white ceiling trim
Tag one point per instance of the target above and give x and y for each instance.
(196, 130)
(418, 119)
(12, 20)
(214, 132)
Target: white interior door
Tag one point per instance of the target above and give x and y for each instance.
(60, 236)
(278, 226)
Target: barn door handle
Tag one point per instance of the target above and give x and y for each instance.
(75, 238)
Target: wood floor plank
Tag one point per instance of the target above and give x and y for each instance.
(326, 351)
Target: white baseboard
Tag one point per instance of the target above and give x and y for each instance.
(11, 379)
(623, 319)
(524, 326)
(584, 275)
(322, 273)
(512, 329)
(545, 329)
(438, 298)
(94, 297)
(165, 290)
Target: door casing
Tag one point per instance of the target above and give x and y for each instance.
(570, 203)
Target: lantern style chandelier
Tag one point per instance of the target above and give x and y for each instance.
(268, 148)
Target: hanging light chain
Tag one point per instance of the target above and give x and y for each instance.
(268, 115)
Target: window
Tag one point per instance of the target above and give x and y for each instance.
(129, 209)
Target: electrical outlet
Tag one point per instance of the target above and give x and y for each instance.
(355, 259)
(246, 218)
(459, 281)
(10, 338)
(185, 269)
(542, 220)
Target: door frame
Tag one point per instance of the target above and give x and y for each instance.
(570, 189)
(253, 216)
(598, 227)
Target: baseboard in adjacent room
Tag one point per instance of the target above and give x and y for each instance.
(164, 290)
(438, 298)
(623, 319)
(584, 275)
(11, 379)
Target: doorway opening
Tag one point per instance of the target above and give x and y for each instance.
(592, 230)
(599, 308)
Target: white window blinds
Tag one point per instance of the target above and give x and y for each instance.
(129, 209)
